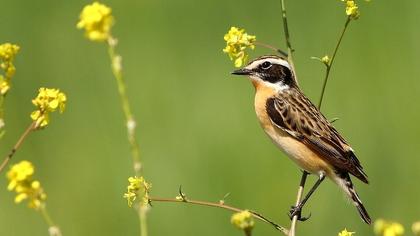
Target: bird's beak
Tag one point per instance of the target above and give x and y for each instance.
(242, 71)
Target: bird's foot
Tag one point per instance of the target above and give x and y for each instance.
(297, 211)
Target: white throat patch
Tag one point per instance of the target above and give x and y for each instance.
(278, 87)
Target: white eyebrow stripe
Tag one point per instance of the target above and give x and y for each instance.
(277, 61)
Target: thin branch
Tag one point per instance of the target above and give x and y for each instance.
(329, 65)
(131, 124)
(298, 199)
(53, 229)
(12, 152)
(292, 64)
(223, 206)
(271, 47)
(290, 50)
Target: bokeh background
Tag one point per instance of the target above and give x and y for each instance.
(197, 125)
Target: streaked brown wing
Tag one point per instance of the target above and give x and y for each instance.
(295, 114)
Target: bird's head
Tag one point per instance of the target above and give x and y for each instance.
(271, 71)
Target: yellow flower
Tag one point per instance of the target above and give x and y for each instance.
(137, 188)
(346, 233)
(18, 173)
(8, 52)
(20, 181)
(97, 21)
(352, 10)
(416, 228)
(4, 85)
(47, 100)
(243, 220)
(388, 228)
(236, 43)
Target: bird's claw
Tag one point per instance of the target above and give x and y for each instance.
(297, 211)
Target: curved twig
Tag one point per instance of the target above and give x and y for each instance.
(12, 152)
(223, 206)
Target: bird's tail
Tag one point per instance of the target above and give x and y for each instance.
(343, 179)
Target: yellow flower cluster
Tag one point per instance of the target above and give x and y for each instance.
(137, 188)
(48, 100)
(8, 52)
(236, 43)
(352, 10)
(346, 233)
(243, 220)
(388, 228)
(20, 181)
(97, 21)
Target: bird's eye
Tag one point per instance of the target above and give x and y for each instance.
(265, 65)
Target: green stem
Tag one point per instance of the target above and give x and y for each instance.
(46, 216)
(290, 50)
(142, 211)
(54, 230)
(329, 65)
(130, 122)
(265, 45)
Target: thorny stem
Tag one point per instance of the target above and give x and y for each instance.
(298, 199)
(223, 206)
(329, 65)
(54, 230)
(25, 134)
(290, 50)
(130, 123)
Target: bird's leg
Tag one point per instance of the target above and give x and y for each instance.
(297, 210)
(301, 187)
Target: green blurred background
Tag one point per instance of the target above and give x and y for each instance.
(197, 125)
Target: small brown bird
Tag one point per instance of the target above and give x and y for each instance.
(298, 128)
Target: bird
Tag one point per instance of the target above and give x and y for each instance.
(301, 131)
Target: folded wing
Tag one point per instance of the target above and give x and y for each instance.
(303, 121)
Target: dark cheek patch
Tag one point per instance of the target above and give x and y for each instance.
(287, 75)
(278, 73)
